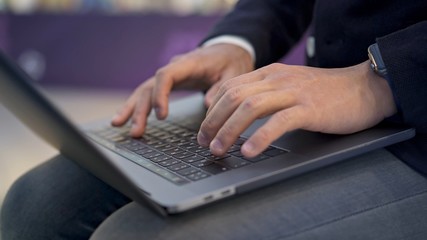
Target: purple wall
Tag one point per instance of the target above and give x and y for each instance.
(102, 51)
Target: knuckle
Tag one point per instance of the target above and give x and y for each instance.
(252, 103)
(161, 74)
(225, 86)
(233, 95)
(262, 72)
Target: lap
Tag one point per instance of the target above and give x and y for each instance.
(374, 196)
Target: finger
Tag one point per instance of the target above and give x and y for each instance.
(279, 123)
(140, 114)
(214, 89)
(165, 79)
(251, 109)
(210, 94)
(225, 107)
(125, 112)
(232, 83)
(123, 115)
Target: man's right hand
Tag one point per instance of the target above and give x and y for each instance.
(202, 68)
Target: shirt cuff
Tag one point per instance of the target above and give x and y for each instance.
(235, 40)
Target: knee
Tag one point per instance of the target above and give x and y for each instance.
(22, 208)
(57, 199)
(30, 209)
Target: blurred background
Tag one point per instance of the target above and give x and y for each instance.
(88, 55)
(102, 43)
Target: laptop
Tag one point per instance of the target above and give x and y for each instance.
(166, 168)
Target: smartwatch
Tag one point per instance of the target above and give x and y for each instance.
(377, 63)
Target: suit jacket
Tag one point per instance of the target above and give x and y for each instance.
(343, 30)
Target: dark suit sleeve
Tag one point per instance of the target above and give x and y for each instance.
(405, 56)
(271, 26)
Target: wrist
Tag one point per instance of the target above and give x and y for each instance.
(234, 55)
(233, 40)
(381, 90)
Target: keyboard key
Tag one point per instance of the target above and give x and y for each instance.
(188, 171)
(159, 144)
(202, 163)
(193, 158)
(205, 153)
(174, 152)
(215, 168)
(257, 158)
(274, 152)
(134, 146)
(181, 142)
(184, 155)
(178, 166)
(189, 145)
(216, 158)
(234, 162)
(173, 139)
(233, 148)
(144, 151)
(160, 158)
(169, 162)
(197, 149)
(237, 154)
(178, 131)
(152, 155)
(165, 147)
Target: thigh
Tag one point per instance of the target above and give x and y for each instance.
(57, 200)
(374, 196)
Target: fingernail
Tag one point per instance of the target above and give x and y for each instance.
(248, 148)
(216, 146)
(201, 138)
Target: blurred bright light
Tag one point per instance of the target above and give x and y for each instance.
(179, 7)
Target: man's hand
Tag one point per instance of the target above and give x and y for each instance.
(203, 68)
(336, 101)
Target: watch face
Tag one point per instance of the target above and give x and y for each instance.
(377, 63)
(372, 60)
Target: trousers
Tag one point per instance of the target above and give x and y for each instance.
(372, 196)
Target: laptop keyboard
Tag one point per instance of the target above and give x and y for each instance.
(171, 151)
